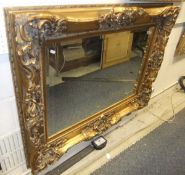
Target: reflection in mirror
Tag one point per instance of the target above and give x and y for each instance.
(87, 75)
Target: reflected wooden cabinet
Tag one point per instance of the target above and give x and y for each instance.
(116, 48)
(108, 50)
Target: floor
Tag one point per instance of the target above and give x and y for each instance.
(162, 152)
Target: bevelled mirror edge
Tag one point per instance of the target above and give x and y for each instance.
(25, 60)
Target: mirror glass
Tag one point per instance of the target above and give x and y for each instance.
(88, 74)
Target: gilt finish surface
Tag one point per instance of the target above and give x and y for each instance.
(28, 30)
(180, 50)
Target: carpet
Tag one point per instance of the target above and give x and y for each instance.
(162, 152)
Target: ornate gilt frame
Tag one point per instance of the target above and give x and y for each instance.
(180, 49)
(29, 29)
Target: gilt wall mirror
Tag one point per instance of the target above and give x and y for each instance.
(78, 70)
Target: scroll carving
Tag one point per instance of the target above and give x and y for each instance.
(164, 24)
(117, 20)
(47, 154)
(30, 33)
(100, 125)
(28, 57)
(40, 27)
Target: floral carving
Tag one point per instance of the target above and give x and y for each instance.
(164, 24)
(28, 57)
(40, 27)
(100, 125)
(116, 20)
(47, 154)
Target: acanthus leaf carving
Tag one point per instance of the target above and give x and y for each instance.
(164, 24)
(28, 57)
(117, 20)
(48, 153)
(100, 125)
(40, 27)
